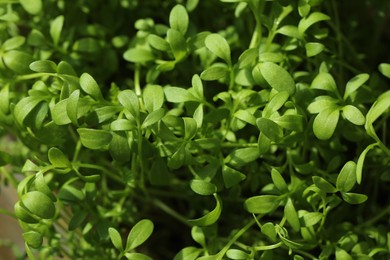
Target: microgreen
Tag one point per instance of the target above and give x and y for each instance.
(231, 129)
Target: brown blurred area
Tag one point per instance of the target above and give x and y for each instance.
(10, 232)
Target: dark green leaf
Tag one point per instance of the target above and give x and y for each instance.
(347, 177)
(277, 77)
(24, 215)
(262, 204)
(94, 138)
(203, 187)
(270, 129)
(211, 217)
(77, 219)
(153, 117)
(139, 234)
(119, 147)
(190, 128)
(70, 194)
(231, 176)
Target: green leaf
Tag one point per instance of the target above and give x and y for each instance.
(214, 73)
(178, 95)
(245, 116)
(197, 86)
(341, 254)
(242, 156)
(153, 96)
(355, 83)
(311, 218)
(278, 181)
(277, 77)
(24, 107)
(70, 194)
(353, 115)
(13, 43)
(198, 235)
(139, 234)
(384, 68)
(178, 44)
(137, 256)
(188, 253)
(276, 102)
(322, 103)
(262, 204)
(231, 176)
(158, 43)
(89, 86)
(219, 46)
(116, 238)
(32, 6)
(354, 198)
(324, 81)
(65, 69)
(198, 116)
(325, 123)
(77, 219)
(94, 139)
(17, 61)
(153, 117)
(178, 19)
(129, 100)
(270, 129)
(138, 55)
(123, 125)
(190, 128)
(347, 177)
(72, 106)
(360, 162)
(290, 122)
(56, 28)
(313, 48)
(269, 230)
(5, 158)
(24, 215)
(292, 215)
(237, 254)
(264, 143)
(377, 109)
(308, 21)
(33, 239)
(290, 31)
(211, 217)
(39, 204)
(58, 159)
(203, 187)
(248, 57)
(119, 147)
(323, 185)
(59, 112)
(44, 66)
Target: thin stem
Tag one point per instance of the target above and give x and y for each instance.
(33, 76)
(234, 238)
(164, 207)
(269, 247)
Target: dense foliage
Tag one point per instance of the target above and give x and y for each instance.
(231, 129)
